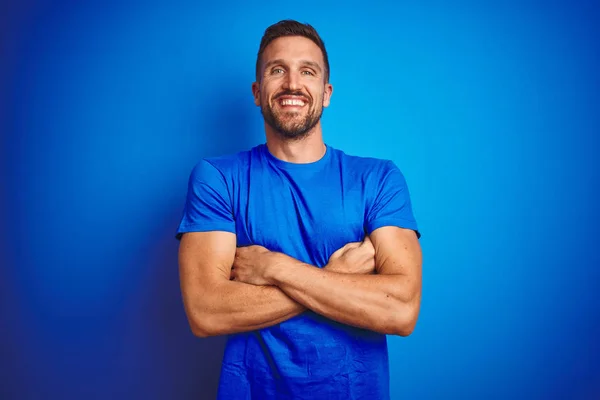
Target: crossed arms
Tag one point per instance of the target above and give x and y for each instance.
(375, 284)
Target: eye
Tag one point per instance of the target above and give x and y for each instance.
(309, 73)
(276, 71)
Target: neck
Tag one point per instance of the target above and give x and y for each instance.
(310, 148)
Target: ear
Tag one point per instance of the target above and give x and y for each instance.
(327, 94)
(256, 92)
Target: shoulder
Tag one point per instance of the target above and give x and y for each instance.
(230, 162)
(225, 166)
(367, 167)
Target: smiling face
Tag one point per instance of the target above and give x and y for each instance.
(292, 90)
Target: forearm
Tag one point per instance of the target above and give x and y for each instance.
(232, 307)
(383, 303)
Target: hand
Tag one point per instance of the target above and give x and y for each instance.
(251, 265)
(353, 258)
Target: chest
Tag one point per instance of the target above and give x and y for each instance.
(307, 217)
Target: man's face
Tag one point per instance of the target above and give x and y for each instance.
(292, 90)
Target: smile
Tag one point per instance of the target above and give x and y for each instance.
(287, 102)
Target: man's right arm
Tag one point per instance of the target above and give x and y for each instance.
(216, 305)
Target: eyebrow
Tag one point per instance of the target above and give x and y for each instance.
(303, 62)
(312, 64)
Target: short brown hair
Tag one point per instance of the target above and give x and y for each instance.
(289, 27)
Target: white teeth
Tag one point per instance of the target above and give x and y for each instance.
(292, 102)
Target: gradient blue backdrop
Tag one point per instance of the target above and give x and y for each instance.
(491, 111)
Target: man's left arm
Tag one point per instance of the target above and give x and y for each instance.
(387, 302)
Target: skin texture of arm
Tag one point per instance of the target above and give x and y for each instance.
(387, 302)
(216, 305)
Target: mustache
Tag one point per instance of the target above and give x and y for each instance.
(292, 93)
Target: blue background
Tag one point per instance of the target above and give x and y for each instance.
(492, 111)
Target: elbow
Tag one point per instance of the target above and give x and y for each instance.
(400, 328)
(203, 326)
(403, 320)
(404, 329)
(200, 331)
(202, 317)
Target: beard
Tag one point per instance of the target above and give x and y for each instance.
(292, 125)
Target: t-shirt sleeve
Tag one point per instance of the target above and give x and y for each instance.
(208, 203)
(391, 205)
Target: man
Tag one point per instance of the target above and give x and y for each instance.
(305, 256)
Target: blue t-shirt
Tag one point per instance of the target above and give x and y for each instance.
(306, 211)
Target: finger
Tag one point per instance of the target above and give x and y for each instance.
(343, 249)
(338, 252)
(256, 247)
(367, 244)
(352, 245)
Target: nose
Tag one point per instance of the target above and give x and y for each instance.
(292, 81)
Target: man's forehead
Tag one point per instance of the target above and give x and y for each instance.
(293, 48)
